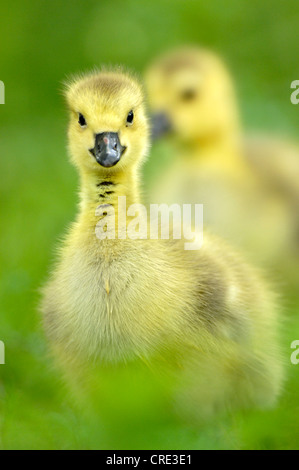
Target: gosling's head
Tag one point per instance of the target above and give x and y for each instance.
(108, 130)
(191, 93)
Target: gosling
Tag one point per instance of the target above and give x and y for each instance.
(249, 199)
(111, 300)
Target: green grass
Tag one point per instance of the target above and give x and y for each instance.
(41, 43)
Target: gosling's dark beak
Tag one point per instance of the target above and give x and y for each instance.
(160, 125)
(108, 149)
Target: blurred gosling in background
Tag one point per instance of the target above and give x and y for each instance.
(249, 188)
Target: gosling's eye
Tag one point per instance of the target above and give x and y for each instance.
(188, 95)
(130, 118)
(82, 120)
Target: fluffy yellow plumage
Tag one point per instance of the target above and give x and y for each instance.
(205, 313)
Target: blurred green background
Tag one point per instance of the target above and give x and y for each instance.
(41, 43)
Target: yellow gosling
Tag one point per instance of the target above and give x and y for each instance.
(204, 317)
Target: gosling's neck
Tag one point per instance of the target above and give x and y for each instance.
(101, 189)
